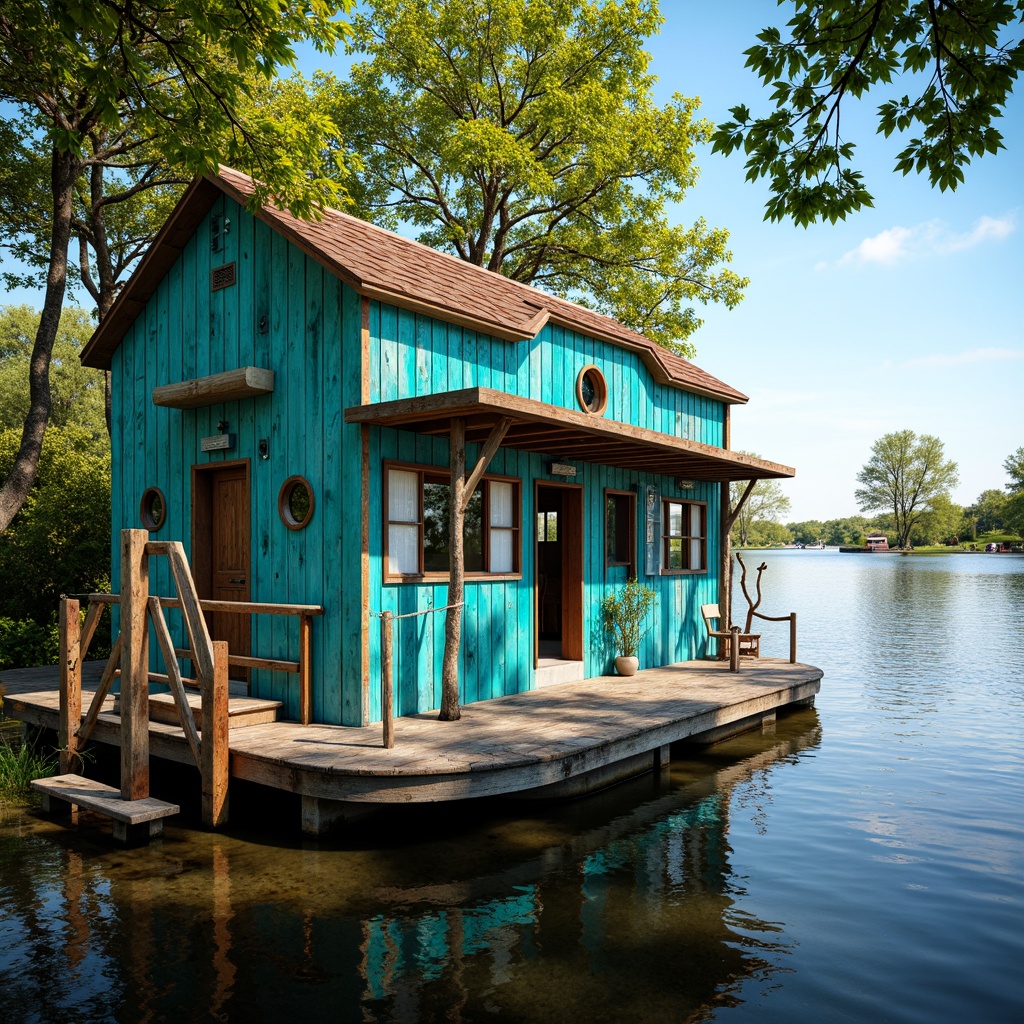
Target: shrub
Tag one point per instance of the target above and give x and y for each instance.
(24, 643)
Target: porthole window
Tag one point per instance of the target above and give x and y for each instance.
(592, 391)
(295, 503)
(153, 509)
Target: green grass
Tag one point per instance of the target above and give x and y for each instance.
(19, 765)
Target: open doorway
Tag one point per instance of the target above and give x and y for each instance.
(559, 572)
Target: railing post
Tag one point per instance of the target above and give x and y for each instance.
(792, 638)
(213, 748)
(70, 684)
(305, 651)
(134, 665)
(734, 649)
(387, 699)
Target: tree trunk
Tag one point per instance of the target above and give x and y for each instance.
(456, 571)
(63, 172)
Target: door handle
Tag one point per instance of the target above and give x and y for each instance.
(242, 580)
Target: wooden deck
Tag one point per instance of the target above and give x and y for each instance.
(562, 739)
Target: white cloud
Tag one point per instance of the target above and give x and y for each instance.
(932, 238)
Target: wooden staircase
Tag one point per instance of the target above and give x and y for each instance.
(242, 711)
(135, 814)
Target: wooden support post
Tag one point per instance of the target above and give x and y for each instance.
(728, 520)
(305, 669)
(70, 685)
(134, 665)
(456, 571)
(214, 746)
(387, 684)
(734, 649)
(792, 638)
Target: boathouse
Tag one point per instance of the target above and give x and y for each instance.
(285, 395)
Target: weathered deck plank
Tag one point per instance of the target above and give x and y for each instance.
(502, 746)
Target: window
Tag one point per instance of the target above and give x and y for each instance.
(592, 391)
(418, 505)
(153, 509)
(547, 527)
(684, 540)
(295, 503)
(620, 529)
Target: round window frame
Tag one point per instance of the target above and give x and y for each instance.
(150, 522)
(283, 500)
(600, 385)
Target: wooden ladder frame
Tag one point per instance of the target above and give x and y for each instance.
(130, 654)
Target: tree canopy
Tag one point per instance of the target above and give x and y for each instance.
(908, 476)
(960, 61)
(522, 136)
(115, 91)
(76, 391)
(1013, 511)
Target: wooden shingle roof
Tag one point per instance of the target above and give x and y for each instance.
(385, 266)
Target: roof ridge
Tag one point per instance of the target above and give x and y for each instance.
(530, 292)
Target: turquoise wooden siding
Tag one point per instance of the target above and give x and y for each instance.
(497, 654)
(287, 314)
(187, 331)
(414, 355)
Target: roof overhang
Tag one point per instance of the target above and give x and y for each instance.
(565, 434)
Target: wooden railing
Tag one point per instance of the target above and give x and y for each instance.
(302, 667)
(129, 659)
(791, 619)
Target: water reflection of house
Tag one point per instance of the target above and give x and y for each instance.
(626, 913)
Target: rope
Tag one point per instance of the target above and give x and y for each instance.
(412, 615)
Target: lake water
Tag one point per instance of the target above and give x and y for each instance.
(864, 862)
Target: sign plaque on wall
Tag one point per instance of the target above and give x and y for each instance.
(217, 443)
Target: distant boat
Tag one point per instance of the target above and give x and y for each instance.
(874, 542)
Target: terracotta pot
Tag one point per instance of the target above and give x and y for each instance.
(626, 666)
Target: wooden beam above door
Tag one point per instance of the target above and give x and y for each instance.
(229, 386)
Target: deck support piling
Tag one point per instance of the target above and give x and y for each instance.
(134, 665)
(70, 684)
(214, 745)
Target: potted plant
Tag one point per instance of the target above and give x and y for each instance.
(624, 615)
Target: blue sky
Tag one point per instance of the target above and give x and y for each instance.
(906, 316)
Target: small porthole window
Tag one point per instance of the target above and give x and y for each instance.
(295, 503)
(153, 509)
(592, 391)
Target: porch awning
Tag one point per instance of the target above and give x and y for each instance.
(565, 434)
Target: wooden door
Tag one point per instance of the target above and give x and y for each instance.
(221, 550)
(572, 574)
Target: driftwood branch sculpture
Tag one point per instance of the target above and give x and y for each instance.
(743, 584)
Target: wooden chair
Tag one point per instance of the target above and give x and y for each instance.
(749, 643)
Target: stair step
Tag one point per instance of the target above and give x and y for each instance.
(78, 791)
(242, 711)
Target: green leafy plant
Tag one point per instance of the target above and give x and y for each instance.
(19, 765)
(625, 613)
(24, 643)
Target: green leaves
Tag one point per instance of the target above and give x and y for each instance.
(522, 135)
(182, 79)
(906, 475)
(962, 56)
